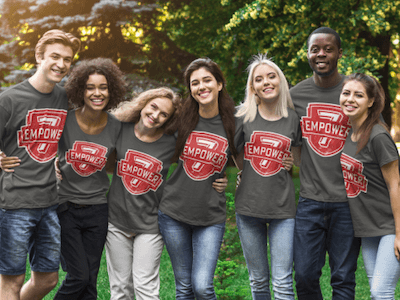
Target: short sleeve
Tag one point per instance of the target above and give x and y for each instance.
(239, 134)
(384, 149)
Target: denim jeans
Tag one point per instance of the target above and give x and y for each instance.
(321, 227)
(193, 251)
(29, 230)
(381, 265)
(253, 234)
(83, 234)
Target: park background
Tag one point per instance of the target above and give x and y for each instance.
(153, 40)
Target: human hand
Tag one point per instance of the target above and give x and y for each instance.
(238, 178)
(288, 162)
(8, 163)
(397, 247)
(57, 167)
(220, 184)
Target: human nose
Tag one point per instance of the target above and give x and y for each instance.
(201, 86)
(60, 63)
(321, 52)
(97, 91)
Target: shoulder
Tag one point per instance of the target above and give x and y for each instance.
(302, 85)
(378, 129)
(292, 114)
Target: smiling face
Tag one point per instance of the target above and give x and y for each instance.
(156, 112)
(355, 102)
(204, 88)
(323, 54)
(55, 62)
(266, 83)
(96, 95)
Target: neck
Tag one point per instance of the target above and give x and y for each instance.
(209, 111)
(267, 110)
(147, 134)
(41, 85)
(90, 117)
(355, 125)
(327, 81)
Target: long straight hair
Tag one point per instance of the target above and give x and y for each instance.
(374, 91)
(190, 108)
(249, 107)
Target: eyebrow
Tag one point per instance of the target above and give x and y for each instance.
(58, 54)
(272, 72)
(201, 78)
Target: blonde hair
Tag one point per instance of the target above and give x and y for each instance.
(129, 111)
(57, 36)
(248, 108)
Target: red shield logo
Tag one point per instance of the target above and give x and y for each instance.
(140, 172)
(354, 180)
(204, 154)
(41, 133)
(86, 158)
(265, 152)
(325, 127)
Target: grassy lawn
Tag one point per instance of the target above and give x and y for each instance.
(231, 280)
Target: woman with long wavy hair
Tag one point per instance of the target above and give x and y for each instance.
(371, 174)
(192, 214)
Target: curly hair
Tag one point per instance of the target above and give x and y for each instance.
(57, 36)
(190, 108)
(76, 83)
(130, 111)
(374, 91)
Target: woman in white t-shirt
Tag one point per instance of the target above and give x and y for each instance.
(370, 170)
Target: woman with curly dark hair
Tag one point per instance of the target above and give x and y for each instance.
(192, 214)
(90, 135)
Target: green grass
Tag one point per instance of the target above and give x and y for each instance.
(236, 284)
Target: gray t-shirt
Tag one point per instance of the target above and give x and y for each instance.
(266, 189)
(324, 130)
(188, 195)
(138, 181)
(31, 124)
(82, 161)
(368, 194)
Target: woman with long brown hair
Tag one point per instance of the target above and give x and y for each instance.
(192, 214)
(371, 175)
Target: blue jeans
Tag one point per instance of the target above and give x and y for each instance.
(83, 234)
(321, 227)
(381, 265)
(253, 234)
(194, 254)
(29, 230)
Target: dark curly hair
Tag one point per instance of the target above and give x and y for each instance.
(76, 83)
(190, 108)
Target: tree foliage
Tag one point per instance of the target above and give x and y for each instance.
(126, 31)
(369, 32)
(158, 38)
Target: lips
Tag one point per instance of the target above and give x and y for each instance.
(204, 94)
(97, 101)
(58, 72)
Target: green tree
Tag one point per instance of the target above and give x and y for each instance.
(126, 31)
(369, 32)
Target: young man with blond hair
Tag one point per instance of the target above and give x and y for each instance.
(32, 117)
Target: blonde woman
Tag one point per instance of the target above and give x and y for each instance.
(265, 198)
